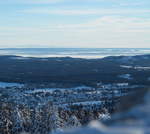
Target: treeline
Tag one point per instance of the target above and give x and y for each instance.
(44, 119)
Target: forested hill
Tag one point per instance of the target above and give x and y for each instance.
(75, 70)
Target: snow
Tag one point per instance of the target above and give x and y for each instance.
(135, 67)
(7, 84)
(128, 67)
(126, 76)
(142, 68)
(122, 84)
(84, 103)
(134, 121)
(20, 58)
(81, 87)
(45, 90)
(51, 90)
(140, 113)
(98, 128)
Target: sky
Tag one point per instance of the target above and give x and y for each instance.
(75, 23)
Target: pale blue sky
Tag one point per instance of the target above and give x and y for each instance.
(75, 23)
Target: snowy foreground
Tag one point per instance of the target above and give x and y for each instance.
(98, 128)
(135, 121)
(38, 110)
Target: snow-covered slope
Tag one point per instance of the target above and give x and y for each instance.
(134, 121)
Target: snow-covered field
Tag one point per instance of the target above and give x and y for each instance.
(135, 67)
(126, 76)
(51, 90)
